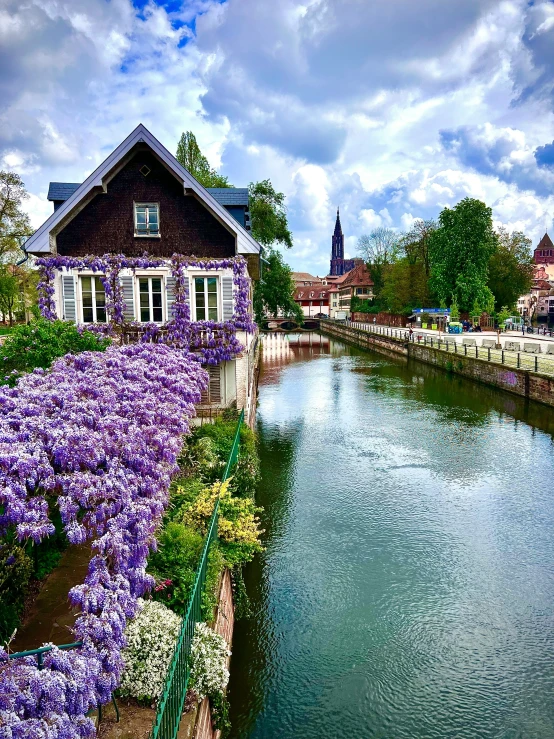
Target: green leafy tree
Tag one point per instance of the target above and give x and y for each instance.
(379, 249)
(454, 310)
(274, 291)
(415, 243)
(459, 251)
(510, 268)
(14, 223)
(268, 215)
(405, 286)
(9, 292)
(192, 159)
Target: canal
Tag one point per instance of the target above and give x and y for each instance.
(407, 586)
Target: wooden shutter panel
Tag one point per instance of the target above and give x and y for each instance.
(127, 285)
(170, 295)
(213, 392)
(227, 293)
(69, 304)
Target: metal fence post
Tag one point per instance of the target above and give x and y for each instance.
(489, 352)
(502, 356)
(536, 363)
(518, 360)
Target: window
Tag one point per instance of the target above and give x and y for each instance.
(205, 298)
(150, 296)
(93, 296)
(147, 219)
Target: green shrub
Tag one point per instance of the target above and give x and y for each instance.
(38, 343)
(174, 564)
(16, 568)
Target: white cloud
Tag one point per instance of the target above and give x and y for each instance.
(391, 111)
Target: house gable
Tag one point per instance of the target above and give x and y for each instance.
(106, 222)
(44, 241)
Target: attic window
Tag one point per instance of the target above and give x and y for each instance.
(144, 170)
(147, 219)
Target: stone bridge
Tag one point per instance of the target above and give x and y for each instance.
(288, 324)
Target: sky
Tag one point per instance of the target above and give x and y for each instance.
(391, 109)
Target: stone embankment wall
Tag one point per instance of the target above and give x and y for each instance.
(520, 382)
(224, 623)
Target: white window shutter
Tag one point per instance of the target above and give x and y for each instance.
(187, 299)
(227, 294)
(127, 286)
(69, 303)
(170, 295)
(212, 394)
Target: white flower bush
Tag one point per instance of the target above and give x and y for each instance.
(208, 672)
(151, 639)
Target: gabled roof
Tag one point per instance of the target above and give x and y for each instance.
(61, 190)
(39, 242)
(360, 275)
(304, 277)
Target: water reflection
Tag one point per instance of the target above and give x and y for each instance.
(406, 590)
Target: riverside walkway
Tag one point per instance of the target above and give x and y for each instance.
(518, 351)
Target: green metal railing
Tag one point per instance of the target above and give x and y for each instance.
(170, 706)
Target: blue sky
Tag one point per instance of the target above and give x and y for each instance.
(392, 110)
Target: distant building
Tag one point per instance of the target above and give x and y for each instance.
(544, 256)
(357, 283)
(340, 265)
(312, 294)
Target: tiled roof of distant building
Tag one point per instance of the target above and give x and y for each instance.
(305, 277)
(360, 275)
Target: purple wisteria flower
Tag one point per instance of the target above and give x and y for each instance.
(100, 432)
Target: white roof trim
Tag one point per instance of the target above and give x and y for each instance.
(39, 242)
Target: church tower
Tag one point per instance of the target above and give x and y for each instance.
(337, 249)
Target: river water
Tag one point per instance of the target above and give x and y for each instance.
(407, 586)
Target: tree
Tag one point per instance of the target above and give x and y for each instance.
(17, 290)
(268, 215)
(14, 223)
(274, 291)
(459, 251)
(510, 268)
(192, 159)
(415, 243)
(9, 293)
(405, 286)
(379, 249)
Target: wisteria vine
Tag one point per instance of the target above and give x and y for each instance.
(98, 435)
(214, 341)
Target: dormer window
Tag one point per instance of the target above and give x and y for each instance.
(147, 219)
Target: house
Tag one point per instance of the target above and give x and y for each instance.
(544, 255)
(141, 245)
(357, 283)
(312, 294)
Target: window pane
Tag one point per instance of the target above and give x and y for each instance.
(153, 215)
(141, 214)
(87, 300)
(156, 285)
(157, 300)
(144, 302)
(212, 284)
(143, 285)
(199, 284)
(212, 300)
(87, 315)
(200, 314)
(200, 301)
(86, 284)
(100, 300)
(145, 315)
(212, 312)
(101, 315)
(157, 312)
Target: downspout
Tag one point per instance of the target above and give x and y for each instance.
(25, 258)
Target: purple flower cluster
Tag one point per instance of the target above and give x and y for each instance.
(100, 434)
(213, 341)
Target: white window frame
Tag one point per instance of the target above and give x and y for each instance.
(138, 308)
(146, 235)
(93, 276)
(205, 276)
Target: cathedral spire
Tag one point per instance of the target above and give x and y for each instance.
(338, 227)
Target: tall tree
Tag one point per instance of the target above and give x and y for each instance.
(415, 243)
(268, 215)
(510, 268)
(459, 252)
(192, 159)
(405, 286)
(14, 223)
(379, 249)
(274, 292)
